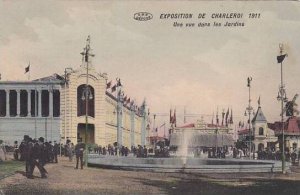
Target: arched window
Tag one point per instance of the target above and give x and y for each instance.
(260, 147)
(261, 131)
(85, 93)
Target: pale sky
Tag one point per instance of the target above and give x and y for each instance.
(200, 68)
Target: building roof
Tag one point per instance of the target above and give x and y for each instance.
(192, 125)
(259, 116)
(243, 131)
(188, 125)
(291, 126)
(202, 140)
(54, 77)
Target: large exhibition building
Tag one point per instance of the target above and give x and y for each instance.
(78, 105)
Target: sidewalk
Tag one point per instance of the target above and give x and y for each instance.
(64, 179)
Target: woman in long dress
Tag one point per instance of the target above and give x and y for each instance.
(2, 151)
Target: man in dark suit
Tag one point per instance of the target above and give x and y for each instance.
(37, 158)
(79, 149)
(55, 151)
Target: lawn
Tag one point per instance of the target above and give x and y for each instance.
(9, 167)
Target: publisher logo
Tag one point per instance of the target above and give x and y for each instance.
(142, 16)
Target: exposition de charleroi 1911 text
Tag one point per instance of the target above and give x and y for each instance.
(234, 19)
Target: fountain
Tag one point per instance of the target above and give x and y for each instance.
(183, 162)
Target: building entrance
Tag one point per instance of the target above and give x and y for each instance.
(90, 134)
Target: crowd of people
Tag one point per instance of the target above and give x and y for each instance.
(268, 154)
(112, 149)
(38, 152)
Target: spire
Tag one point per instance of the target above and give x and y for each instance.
(259, 115)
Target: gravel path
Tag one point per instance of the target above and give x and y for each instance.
(64, 179)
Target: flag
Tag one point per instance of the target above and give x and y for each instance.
(231, 118)
(108, 85)
(249, 79)
(118, 82)
(171, 116)
(258, 101)
(281, 58)
(113, 88)
(27, 69)
(223, 114)
(289, 108)
(227, 113)
(217, 117)
(174, 118)
(212, 120)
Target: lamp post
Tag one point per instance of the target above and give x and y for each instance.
(249, 110)
(120, 96)
(65, 107)
(282, 98)
(87, 94)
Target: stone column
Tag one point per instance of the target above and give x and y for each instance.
(50, 103)
(18, 102)
(28, 103)
(40, 103)
(7, 102)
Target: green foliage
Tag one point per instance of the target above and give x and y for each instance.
(10, 167)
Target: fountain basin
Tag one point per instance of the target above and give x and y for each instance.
(188, 164)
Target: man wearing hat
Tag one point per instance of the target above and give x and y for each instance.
(79, 149)
(37, 158)
(55, 151)
(27, 154)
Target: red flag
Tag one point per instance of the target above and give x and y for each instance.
(108, 85)
(113, 88)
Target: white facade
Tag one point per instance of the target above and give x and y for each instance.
(105, 117)
(70, 121)
(14, 125)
